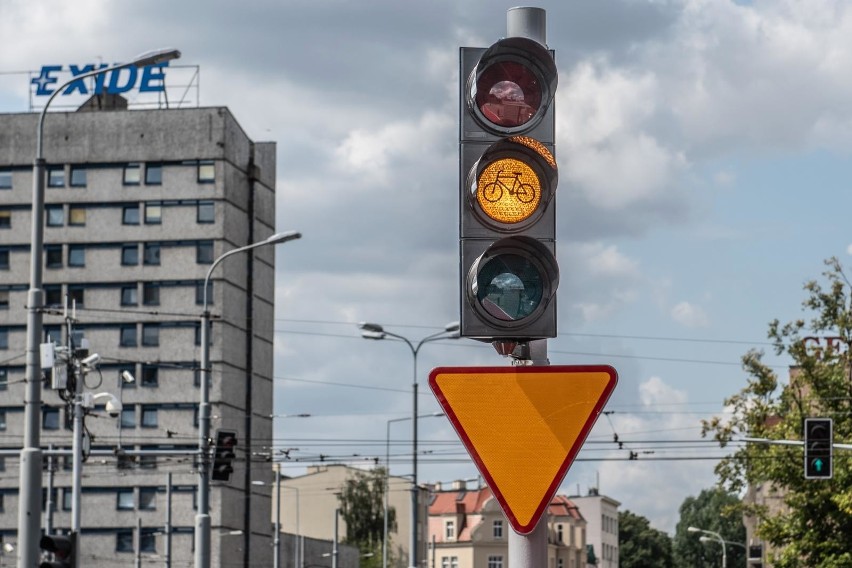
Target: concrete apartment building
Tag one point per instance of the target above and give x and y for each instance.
(467, 529)
(601, 514)
(139, 203)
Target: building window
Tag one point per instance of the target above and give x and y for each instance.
(76, 255)
(2, 420)
(5, 179)
(4, 380)
(495, 562)
(148, 498)
(124, 541)
(129, 296)
(450, 562)
(5, 218)
(55, 215)
(76, 215)
(52, 333)
(206, 171)
(199, 293)
(497, 528)
(150, 334)
(560, 537)
(4, 299)
(450, 530)
(560, 563)
(53, 256)
(78, 176)
(154, 174)
(130, 214)
(128, 417)
(150, 376)
(148, 540)
(50, 419)
(125, 501)
(149, 416)
(152, 254)
(53, 295)
(130, 255)
(56, 177)
(4, 258)
(151, 294)
(77, 295)
(206, 212)
(128, 335)
(153, 213)
(204, 252)
(132, 174)
(4, 338)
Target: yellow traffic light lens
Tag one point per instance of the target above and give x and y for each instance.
(508, 190)
(509, 287)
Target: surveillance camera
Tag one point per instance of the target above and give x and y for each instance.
(114, 407)
(91, 360)
(127, 377)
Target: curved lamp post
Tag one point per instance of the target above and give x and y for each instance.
(377, 332)
(716, 537)
(202, 519)
(29, 508)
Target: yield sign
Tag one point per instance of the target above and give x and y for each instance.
(523, 426)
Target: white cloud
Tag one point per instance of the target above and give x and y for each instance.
(690, 315)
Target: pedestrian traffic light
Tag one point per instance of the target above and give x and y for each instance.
(63, 549)
(507, 178)
(223, 459)
(818, 448)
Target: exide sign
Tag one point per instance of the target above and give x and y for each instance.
(150, 79)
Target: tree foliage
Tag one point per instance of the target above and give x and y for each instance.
(362, 506)
(713, 510)
(640, 545)
(812, 526)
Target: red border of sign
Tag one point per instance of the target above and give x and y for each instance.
(569, 459)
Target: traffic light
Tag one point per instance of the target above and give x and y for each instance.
(507, 178)
(818, 448)
(63, 549)
(226, 443)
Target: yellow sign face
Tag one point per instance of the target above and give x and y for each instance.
(523, 426)
(508, 190)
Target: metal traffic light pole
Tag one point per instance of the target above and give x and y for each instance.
(529, 550)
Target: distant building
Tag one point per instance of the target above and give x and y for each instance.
(467, 529)
(139, 203)
(601, 514)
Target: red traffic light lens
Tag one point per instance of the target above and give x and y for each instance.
(508, 94)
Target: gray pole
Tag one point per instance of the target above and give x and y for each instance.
(138, 543)
(413, 552)
(334, 550)
(530, 550)
(202, 519)
(276, 541)
(50, 505)
(77, 448)
(167, 553)
(29, 494)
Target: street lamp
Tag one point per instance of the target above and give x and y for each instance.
(29, 508)
(377, 332)
(202, 519)
(387, 482)
(716, 537)
(276, 541)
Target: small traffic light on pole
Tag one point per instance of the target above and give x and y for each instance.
(819, 438)
(508, 176)
(223, 457)
(63, 549)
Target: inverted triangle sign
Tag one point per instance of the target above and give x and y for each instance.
(523, 426)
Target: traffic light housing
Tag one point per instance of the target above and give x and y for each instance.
(507, 178)
(223, 457)
(819, 437)
(63, 549)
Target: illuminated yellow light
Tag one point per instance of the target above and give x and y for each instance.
(508, 190)
(537, 147)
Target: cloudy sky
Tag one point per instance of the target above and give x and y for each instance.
(703, 148)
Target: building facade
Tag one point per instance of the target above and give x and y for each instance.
(467, 529)
(138, 205)
(601, 514)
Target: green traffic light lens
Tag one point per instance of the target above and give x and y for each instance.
(509, 287)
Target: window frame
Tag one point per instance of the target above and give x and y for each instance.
(128, 169)
(80, 210)
(128, 335)
(130, 214)
(122, 504)
(151, 254)
(206, 171)
(151, 219)
(54, 215)
(149, 416)
(151, 294)
(130, 295)
(78, 170)
(59, 180)
(150, 168)
(5, 217)
(76, 256)
(201, 216)
(50, 419)
(203, 251)
(6, 174)
(130, 254)
(5, 255)
(150, 335)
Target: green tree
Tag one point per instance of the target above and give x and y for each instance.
(713, 510)
(362, 506)
(640, 545)
(812, 528)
